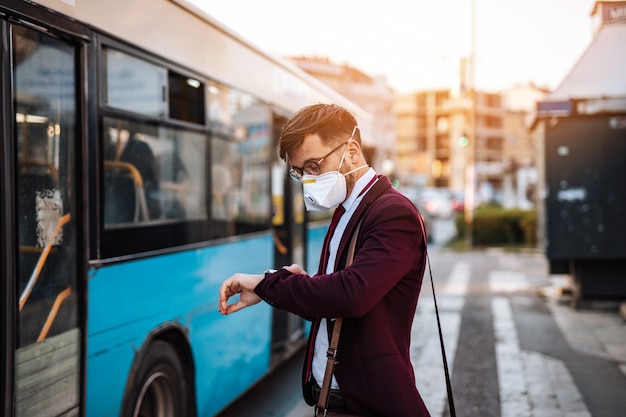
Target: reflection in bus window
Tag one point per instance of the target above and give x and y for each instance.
(142, 87)
(240, 176)
(45, 127)
(152, 174)
(134, 84)
(47, 353)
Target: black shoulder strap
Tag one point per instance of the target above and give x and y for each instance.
(443, 350)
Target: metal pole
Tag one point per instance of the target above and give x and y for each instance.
(470, 166)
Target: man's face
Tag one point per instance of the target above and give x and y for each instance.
(313, 150)
(314, 157)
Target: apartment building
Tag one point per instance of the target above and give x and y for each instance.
(435, 138)
(451, 140)
(440, 139)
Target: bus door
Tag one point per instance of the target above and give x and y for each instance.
(289, 229)
(41, 323)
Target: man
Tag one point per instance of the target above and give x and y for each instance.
(376, 295)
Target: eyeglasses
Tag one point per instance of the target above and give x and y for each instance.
(310, 167)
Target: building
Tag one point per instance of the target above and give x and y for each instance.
(370, 93)
(418, 136)
(417, 118)
(520, 146)
(441, 140)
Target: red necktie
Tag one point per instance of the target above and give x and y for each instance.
(333, 225)
(331, 229)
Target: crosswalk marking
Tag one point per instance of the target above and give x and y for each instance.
(507, 281)
(530, 384)
(511, 382)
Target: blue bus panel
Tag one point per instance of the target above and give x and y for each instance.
(129, 301)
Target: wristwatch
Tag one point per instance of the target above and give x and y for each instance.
(269, 272)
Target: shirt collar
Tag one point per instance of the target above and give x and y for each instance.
(359, 188)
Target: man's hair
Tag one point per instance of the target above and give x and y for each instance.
(328, 121)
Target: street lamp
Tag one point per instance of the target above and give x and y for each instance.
(463, 141)
(468, 187)
(470, 169)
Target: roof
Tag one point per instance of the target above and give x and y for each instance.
(599, 73)
(598, 3)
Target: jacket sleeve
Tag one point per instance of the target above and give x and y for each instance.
(389, 249)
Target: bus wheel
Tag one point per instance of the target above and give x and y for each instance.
(159, 386)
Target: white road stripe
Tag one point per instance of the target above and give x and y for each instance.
(530, 384)
(507, 281)
(511, 382)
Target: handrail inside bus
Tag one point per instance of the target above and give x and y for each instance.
(42, 260)
(141, 207)
(54, 173)
(134, 172)
(53, 312)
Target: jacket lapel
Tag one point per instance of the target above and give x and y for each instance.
(370, 196)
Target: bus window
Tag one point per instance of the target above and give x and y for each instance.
(139, 86)
(152, 174)
(186, 98)
(133, 84)
(240, 159)
(48, 353)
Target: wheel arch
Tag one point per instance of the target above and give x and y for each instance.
(177, 337)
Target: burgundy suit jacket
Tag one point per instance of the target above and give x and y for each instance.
(376, 296)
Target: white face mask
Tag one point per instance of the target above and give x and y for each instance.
(325, 191)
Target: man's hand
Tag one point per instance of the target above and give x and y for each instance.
(295, 269)
(242, 284)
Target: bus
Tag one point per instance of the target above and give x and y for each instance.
(138, 171)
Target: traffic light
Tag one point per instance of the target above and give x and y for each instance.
(463, 140)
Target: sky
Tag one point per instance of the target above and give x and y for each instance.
(417, 44)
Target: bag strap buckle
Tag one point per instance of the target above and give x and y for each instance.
(331, 353)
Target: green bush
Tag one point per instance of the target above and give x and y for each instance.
(493, 226)
(528, 223)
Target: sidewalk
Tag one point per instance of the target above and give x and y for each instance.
(598, 330)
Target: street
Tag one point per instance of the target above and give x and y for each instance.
(514, 346)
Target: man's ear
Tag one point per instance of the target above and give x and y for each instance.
(354, 150)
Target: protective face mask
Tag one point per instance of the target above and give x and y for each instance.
(325, 191)
(328, 190)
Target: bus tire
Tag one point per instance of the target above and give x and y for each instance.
(159, 385)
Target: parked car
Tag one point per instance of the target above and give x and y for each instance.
(412, 194)
(436, 202)
(458, 201)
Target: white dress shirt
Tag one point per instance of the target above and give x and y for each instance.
(321, 341)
